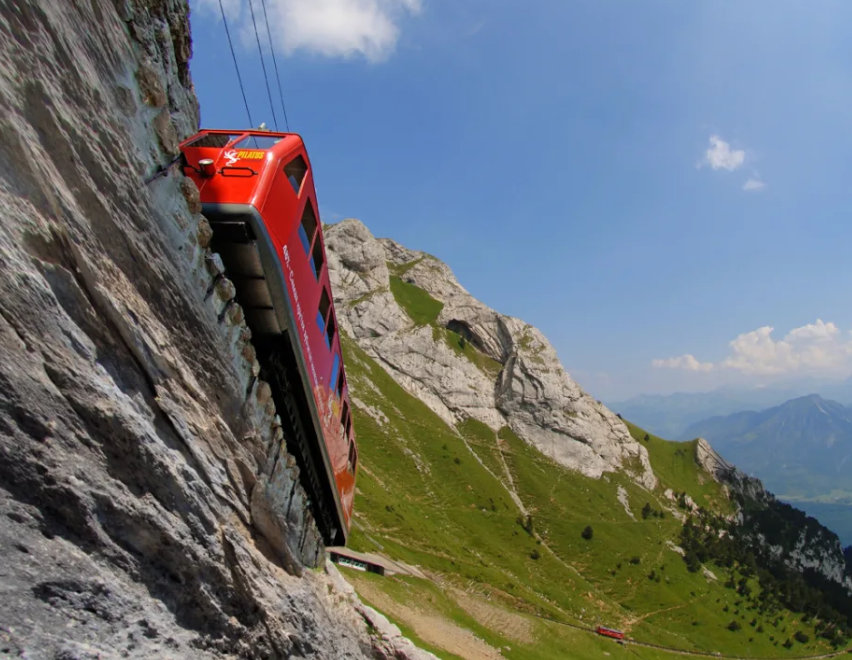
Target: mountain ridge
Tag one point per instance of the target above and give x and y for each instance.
(671, 414)
(514, 377)
(804, 437)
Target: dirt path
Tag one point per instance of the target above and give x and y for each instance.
(431, 628)
(513, 626)
(633, 622)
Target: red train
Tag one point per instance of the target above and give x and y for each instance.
(257, 191)
(609, 632)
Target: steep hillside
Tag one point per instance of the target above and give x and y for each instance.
(800, 449)
(517, 527)
(148, 507)
(466, 361)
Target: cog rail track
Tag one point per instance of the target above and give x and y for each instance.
(701, 654)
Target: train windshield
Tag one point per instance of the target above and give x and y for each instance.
(258, 142)
(216, 140)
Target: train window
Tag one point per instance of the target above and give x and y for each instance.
(340, 382)
(295, 172)
(348, 425)
(217, 140)
(344, 416)
(329, 331)
(324, 306)
(335, 369)
(308, 227)
(258, 142)
(353, 457)
(317, 260)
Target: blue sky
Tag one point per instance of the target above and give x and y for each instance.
(582, 165)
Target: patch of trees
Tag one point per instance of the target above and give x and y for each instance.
(527, 523)
(762, 578)
(650, 512)
(588, 533)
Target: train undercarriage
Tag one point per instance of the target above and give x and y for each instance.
(252, 265)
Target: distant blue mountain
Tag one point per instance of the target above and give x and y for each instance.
(669, 415)
(801, 450)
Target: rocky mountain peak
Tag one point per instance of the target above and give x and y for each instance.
(465, 360)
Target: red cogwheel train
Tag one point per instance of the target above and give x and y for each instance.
(609, 632)
(257, 191)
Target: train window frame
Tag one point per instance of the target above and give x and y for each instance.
(317, 257)
(325, 317)
(258, 140)
(353, 456)
(341, 383)
(201, 142)
(335, 371)
(344, 415)
(308, 218)
(330, 330)
(296, 170)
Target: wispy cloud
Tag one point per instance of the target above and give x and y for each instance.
(331, 28)
(720, 156)
(686, 362)
(819, 349)
(753, 185)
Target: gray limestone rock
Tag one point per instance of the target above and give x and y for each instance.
(517, 381)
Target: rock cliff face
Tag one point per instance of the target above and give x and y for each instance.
(470, 361)
(147, 506)
(760, 517)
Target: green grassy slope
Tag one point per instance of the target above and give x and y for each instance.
(436, 497)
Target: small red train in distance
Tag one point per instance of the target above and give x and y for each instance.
(257, 191)
(609, 632)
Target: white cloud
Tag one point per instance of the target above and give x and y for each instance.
(687, 362)
(332, 28)
(816, 349)
(720, 156)
(753, 185)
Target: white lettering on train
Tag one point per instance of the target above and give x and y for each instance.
(301, 317)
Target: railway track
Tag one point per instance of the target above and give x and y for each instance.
(702, 654)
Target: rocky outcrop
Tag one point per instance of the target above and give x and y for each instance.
(148, 508)
(760, 517)
(509, 374)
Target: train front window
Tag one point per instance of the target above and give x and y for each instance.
(217, 140)
(258, 142)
